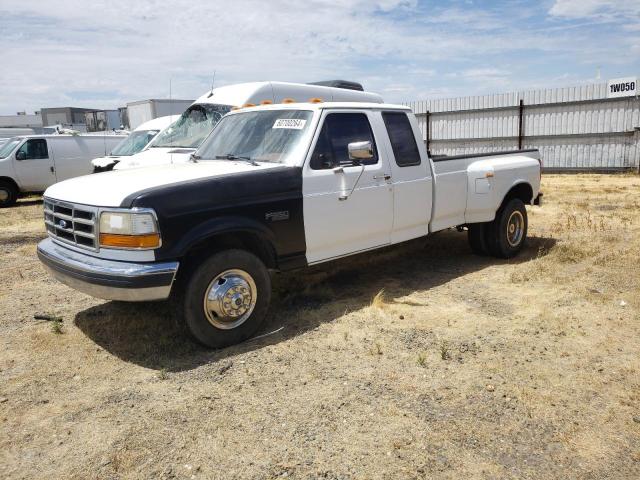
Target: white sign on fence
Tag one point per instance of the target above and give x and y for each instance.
(622, 87)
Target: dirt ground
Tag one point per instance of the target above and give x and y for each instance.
(420, 361)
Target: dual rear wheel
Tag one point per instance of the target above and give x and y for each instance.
(505, 236)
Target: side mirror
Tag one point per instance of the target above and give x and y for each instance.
(359, 151)
(21, 155)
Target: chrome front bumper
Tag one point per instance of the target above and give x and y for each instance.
(108, 279)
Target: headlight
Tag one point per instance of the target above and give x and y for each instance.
(129, 230)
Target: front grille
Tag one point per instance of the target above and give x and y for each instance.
(72, 223)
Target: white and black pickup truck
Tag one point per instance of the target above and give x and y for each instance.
(274, 188)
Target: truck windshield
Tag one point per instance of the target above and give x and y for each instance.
(134, 143)
(192, 127)
(268, 136)
(7, 148)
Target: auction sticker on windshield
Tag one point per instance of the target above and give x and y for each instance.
(293, 123)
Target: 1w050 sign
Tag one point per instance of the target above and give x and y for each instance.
(622, 87)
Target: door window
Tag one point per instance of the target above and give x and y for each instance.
(403, 140)
(338, 131)
(34, 149)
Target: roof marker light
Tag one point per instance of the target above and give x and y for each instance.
(288, 100)
(266, 102)
(247, 105)
(235, 108)
(315, 100)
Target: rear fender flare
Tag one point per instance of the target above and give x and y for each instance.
(521, 189)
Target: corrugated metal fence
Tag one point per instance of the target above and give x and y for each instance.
(574, 128)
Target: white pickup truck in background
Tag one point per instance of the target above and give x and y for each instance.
(135, 143)
(276, 187)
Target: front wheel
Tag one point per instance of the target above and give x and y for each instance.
(227, 298)
(8, 194)
(507, 233)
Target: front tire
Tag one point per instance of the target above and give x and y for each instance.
(507, 234)
(226, 298)
(8, 194)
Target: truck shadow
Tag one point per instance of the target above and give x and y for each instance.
(147, 334)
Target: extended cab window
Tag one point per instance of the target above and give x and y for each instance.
(338, 131)
(34, 149)
(402, 139)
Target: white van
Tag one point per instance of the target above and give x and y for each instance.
(176, 143)
(134, 143)
(34, 162)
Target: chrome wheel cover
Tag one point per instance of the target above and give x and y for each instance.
(515, 228)
(230, 299)
(4, 195)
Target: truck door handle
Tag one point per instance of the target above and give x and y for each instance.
(384, 176)
(52, 170)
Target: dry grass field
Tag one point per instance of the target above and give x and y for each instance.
(420, 361)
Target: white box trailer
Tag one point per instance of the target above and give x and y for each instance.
(34, 162)
(144, 110)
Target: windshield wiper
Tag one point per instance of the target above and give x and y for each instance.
(231, 156)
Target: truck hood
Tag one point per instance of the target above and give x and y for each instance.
(155, 156)
(109, 189)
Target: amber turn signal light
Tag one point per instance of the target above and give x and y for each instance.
(151, 240)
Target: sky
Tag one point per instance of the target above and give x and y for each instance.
(104, 54)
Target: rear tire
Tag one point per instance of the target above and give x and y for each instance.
(8, 194)
(507, 234)
(226, 298)
(477, 238)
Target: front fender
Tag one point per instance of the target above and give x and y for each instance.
(222, 225)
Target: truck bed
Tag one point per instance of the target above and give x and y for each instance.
(459, 197)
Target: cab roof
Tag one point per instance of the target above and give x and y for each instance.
(323, 106)
(255, 92)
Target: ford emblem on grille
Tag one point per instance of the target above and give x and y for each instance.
(62, 224)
